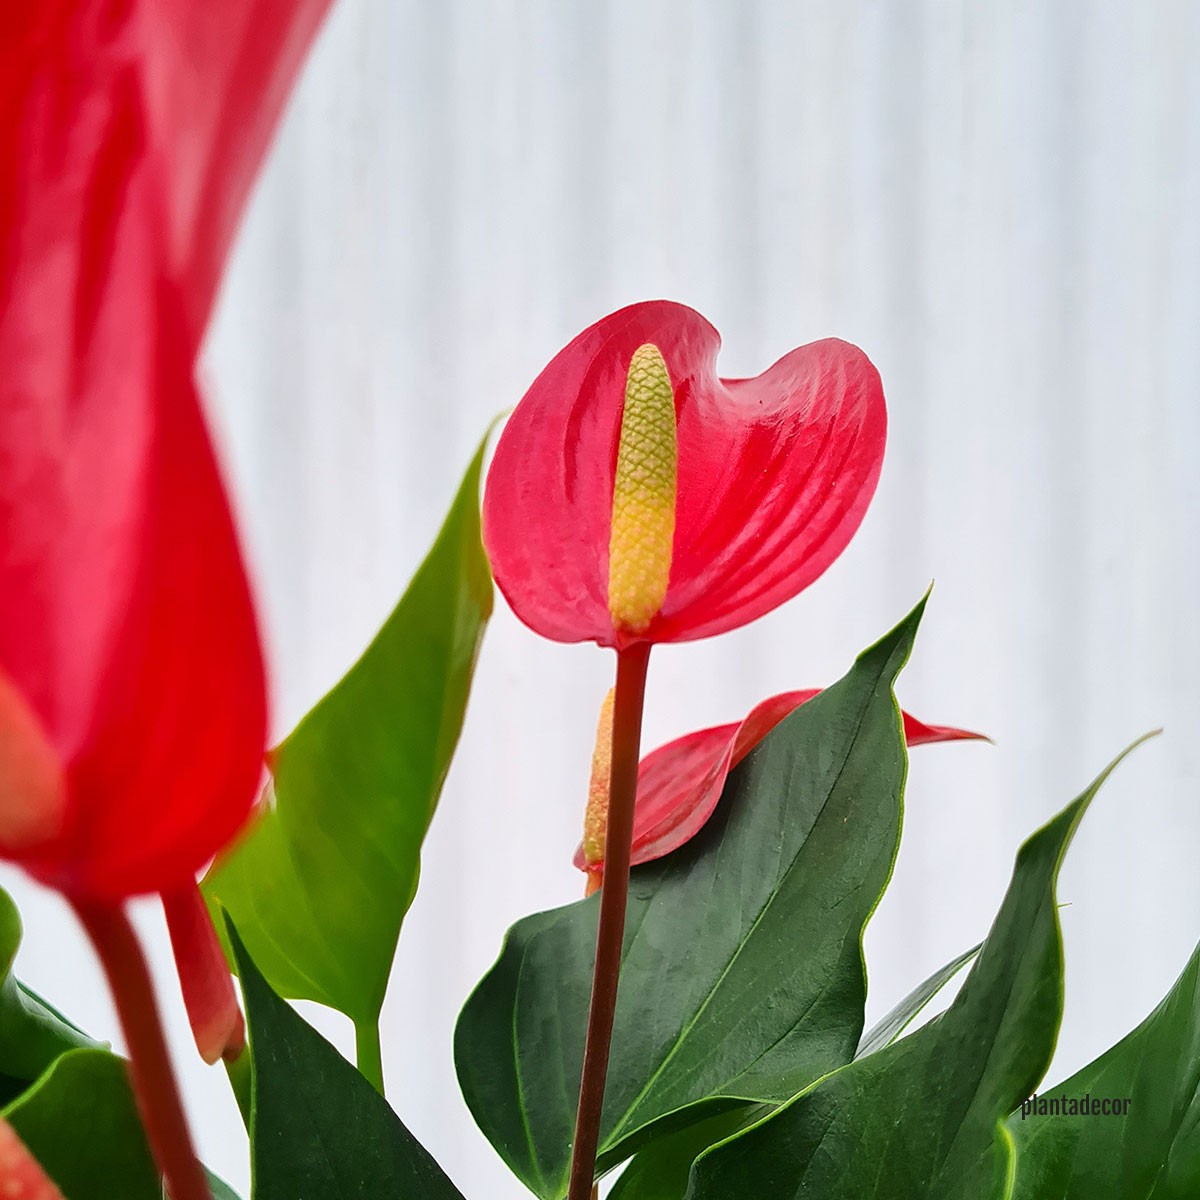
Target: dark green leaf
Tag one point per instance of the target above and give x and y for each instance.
(1152, 1152)
(660, 1170)
(81, 1123)
(743, 975)
(906, 1012)
(925, 1117)
(322, 882)
(32, 1034)
(319, 1131)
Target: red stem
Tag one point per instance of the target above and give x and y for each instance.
(618, 845)
(153, 1080)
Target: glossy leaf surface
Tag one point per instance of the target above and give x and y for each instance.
(743, 974)
(660, 1170)
(926, 1116)
(888, 1028)
(319, 1129)
(1150, 1153)
(320, 885)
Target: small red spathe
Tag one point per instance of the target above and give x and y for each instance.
(680, 783)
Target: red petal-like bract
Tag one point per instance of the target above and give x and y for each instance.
(129, 134)
(216, 75)
(775, 474)
(680, 783)
(212, 1008)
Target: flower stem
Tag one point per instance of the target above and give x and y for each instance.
(153, 1080)
(626, 746)
(368, 1053)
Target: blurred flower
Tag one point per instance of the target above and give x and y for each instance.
(22, 1176)
(132, 705)
(680, 783)
(635, 496)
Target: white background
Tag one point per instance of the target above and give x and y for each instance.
(998, 202)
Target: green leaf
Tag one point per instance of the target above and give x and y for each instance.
(925, 1117)
(81, 1123)
(79, 1117)
(742, 974)
(1152, 1152)
(32, 1034)
(910, 1008)
(322, 882)
(220, 1189)
(660, 1170)
(319, 1131)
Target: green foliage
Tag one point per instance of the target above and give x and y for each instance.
(1150, 1153)
(319, 1131)
(220, 1189)
(32, 1034)
(890, 1027)
(926, 1116)
(67, 1096)
(81, 1123)
(739, 1063)
(321, 884)
(660, 1170)
(742, 976)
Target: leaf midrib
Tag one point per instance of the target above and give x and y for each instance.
(622, 1126)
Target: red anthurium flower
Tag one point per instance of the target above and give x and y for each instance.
(129, 657)
(216, 76)
(680, 783)
(636, 496)
(132, 697)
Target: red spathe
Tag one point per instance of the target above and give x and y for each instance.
(775, 474)
(680, 783)
(126, 622)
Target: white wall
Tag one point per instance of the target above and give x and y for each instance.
(998, 202)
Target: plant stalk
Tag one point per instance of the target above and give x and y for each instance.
(368, 1053)
(154, 1083)
(614, 894)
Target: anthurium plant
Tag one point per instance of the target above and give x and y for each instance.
(693, 1026)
